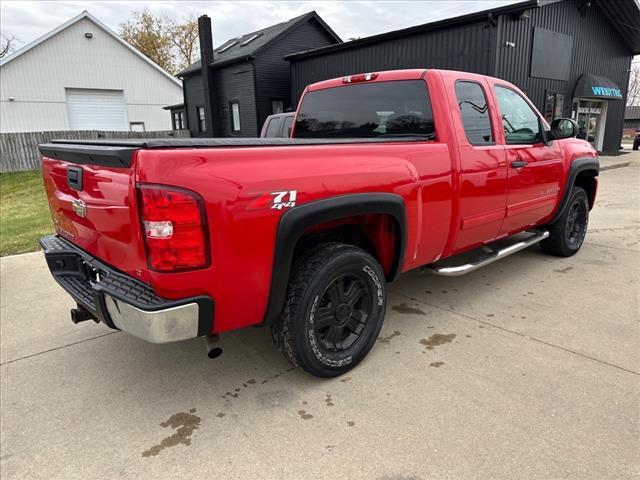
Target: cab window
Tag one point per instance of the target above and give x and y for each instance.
(474, 112)
(521, 124)
(389, 109)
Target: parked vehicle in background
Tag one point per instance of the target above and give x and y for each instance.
(387, 172)
(278, 125)
(636, 140)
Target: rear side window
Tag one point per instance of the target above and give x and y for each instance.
(474, 111)
(367, 110)
(273, 129)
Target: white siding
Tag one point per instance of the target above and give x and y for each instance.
(37, 80)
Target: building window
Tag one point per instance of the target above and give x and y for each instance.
(178, 120)
(553, 106)
(474, 112)
(202, 126)
(137, 126)
(277, 106)
(235, 116)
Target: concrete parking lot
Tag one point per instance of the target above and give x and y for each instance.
(529, 368)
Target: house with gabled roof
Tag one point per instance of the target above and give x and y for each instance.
(246, 78)
(83, 76)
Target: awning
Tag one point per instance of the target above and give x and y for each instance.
(177, 106)
(595, 86)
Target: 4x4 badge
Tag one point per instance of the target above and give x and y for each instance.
(285, 199)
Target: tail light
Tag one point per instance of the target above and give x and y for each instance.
(174, 228)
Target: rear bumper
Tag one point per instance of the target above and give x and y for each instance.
(122, 302)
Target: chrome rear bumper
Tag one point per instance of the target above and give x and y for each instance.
(122, 302)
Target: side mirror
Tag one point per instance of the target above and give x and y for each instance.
(563, 128)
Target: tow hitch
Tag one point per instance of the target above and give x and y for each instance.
(81, 314)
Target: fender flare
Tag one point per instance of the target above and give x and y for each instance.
(577, 166)
(295, 221)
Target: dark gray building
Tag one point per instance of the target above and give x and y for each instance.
(246, 78)
(632, 118)
(572, 57)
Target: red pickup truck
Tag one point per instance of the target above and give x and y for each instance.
(171, 239)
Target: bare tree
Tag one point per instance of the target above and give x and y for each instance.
(633, 94)
(185, 40)
(172, 45)
(7, 45)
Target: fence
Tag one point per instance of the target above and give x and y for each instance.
(19, 151)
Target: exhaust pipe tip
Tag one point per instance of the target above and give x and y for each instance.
(213, 350)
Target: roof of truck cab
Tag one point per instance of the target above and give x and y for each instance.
(383, 76)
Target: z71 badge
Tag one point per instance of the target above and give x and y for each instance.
(284, 199)
(276, 200)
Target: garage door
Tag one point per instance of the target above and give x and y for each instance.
(96, 109)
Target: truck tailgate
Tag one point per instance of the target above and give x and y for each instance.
(93, 205)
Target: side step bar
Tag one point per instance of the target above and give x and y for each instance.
(491, 256)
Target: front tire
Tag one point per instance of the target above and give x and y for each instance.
(334, 310)
(567, 233)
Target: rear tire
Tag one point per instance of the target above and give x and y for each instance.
(334, 310)
(567, 233)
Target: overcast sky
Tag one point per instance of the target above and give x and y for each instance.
(28, 20)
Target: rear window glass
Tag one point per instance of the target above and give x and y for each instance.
(383, 109)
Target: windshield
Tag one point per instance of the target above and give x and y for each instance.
(366, 110)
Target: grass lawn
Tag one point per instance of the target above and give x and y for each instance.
(24, 212)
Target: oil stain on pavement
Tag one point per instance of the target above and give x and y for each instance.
(437, 339)
(388, 338)
(304, 415)
(184, 423)
(404, 308)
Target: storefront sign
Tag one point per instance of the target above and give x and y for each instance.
(599, 91)
(592, 110)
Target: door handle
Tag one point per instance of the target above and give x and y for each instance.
(519, 164)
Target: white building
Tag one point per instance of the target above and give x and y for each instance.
(82, 76)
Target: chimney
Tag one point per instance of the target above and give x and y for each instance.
(206, 57)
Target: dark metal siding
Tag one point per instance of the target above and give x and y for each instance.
(235, 82)
(272, 72)
(468, 47)
(193, 96)
(597, 48)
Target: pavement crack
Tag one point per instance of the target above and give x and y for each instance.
(609, 246)
(56, 348)
(514, 332)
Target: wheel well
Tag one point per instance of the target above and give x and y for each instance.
(587, 180)
(377, 234)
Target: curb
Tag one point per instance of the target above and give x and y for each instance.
(615, 165)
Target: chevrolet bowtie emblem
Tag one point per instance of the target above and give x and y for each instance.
(79, 207)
